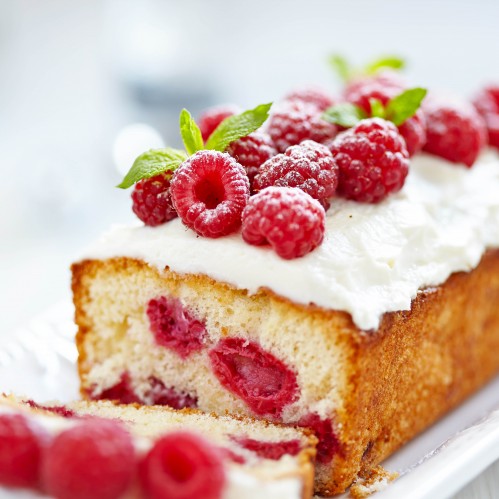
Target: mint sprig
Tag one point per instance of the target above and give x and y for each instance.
(152, 163)
(347, 72)
(345, 114)
(341, 66)
(398, 110)
(237, 126)
(385, 62)
(190, 132)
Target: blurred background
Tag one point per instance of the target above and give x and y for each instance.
(86, 85)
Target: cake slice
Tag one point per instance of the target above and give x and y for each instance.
(227, 457)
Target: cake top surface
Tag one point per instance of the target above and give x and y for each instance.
(374, 258)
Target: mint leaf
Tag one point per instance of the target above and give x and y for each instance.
(392, 62)
(404, 106)
(237, 126)
(345, 114)
(152, 163)
(191, 135)
(341, 66)
(377, 108)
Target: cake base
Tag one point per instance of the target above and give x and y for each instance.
(379, 388)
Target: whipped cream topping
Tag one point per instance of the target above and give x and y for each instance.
(374, 259)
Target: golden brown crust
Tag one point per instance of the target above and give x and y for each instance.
(401, 378)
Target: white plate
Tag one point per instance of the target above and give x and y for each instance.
(39, 362)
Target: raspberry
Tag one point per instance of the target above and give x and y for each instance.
(212, 117)
(288, 219)
(159, 394)
(413, 129)
(311, 95)
(21, 445)
(252, 151)
(373, 160)
(269, 450)
(209, 192)
(60, 410)
(264, 382)
(309, 166)
(295, 122)
(386, 79)
(456, 131)
(122, 392)
(174, 326)
(152, 201)
(93, 459)
(329, 444)
(487, 104)
(182, 465)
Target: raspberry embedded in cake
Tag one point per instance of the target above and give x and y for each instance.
(263, 381)
(269, 450)
(122, 391)
(159, 394)
(174, 326)
(329, 444)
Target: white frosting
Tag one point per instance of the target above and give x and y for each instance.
(374, 258)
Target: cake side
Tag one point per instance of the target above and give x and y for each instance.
(418, 365)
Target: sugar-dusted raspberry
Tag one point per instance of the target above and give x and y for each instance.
(212, 117)
(259, 378)
(311, 95)
(288, 219)
(373, 160)
(309, 166)
(328, 445)
(122, 392)
(487, 104)
(159, 394)
(455, 130)
(387, 79)
(174, 326)
(95, 458)
(152, 201)
(294, 121)
(413, 129)
(209, 192)
(252, 151)
(182, 465)
(21, 444)
(269, 450)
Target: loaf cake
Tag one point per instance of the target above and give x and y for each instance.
(250, 458)
(383, 323)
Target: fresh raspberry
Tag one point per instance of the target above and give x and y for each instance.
(174, 326)
(413, 129)
(209, 192)
(311, 95)
(487, 104)
(455, 132)
(94, 459)
(159, 394)
(387, 79)
(309, 166)
(182, 465)
(329, 444)
(121, 392)
(269, 450)
(21, 444)
(288, 219)
(293, 122)
(212, 117)
(263, 381)
(152, 201)
(373, 160)
(252, 151)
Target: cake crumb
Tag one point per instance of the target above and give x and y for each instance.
(370, 481)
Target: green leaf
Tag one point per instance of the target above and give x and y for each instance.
(341, 66)
(191, 135)
(392, 62)
(404, 106)
(152, 163)
(377, 108)
(237, 126)
(344, 114)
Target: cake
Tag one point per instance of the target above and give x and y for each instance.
(385, 322)
(254, 458)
